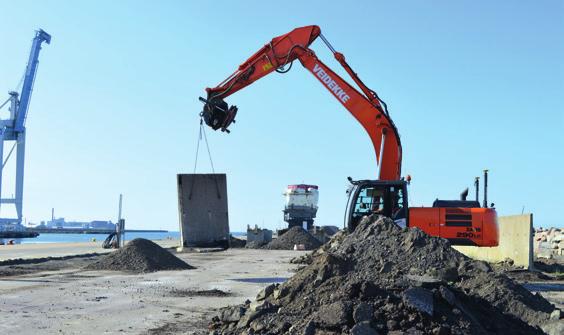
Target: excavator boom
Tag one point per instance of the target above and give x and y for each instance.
(278, 55)
(275, 54)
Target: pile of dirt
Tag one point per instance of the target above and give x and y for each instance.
(139, 256)
(236, 242)
(294, 235)
(381, 279)
(551, 266)
(255, 245)
(199, 293)
(309, 257)
(520, 274)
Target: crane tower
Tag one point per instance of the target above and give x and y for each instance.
(13, 129)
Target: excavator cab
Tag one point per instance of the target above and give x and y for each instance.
(366, 197)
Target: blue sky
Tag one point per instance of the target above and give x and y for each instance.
(470, 85)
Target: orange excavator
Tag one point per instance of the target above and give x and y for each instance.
(463, 222)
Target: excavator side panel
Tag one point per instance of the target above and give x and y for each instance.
(490, 228)
(461, 226)
(426, 219)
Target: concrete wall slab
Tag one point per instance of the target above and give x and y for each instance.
(515, 242)
(202, 210)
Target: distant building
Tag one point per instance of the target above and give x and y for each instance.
(75, 225)
(102, 225)
(60, 223)
(56, 223)
(11, 227)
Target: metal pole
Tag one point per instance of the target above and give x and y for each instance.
(485, 188)
(118, 235)
(20, 162)
(122, 232)
(477, 185)
(382, 145)
(119, 224)
(327, 43)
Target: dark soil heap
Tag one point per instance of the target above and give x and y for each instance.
(381, 279)
(255, 245)
(294, 235)
(140, 255)
(550, 266)
(236, 242)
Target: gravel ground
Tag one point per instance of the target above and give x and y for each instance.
(65, 299)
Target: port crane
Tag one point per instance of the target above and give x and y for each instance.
(463, 222)
(13, 128)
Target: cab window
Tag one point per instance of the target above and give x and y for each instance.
(398, 204)
(369, 201)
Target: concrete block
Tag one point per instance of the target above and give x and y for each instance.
(202, 210)
(323, 233)
(544, 245)
(258, 235)
(515, 242)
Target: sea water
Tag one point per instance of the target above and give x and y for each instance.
(69, 238)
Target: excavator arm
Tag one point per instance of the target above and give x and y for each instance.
(278, 56)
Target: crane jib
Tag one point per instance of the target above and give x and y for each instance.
(330, 83)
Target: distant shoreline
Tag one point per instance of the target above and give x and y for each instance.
(88, 231)
(18, 234)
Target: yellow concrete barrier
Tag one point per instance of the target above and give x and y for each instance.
(515, 242)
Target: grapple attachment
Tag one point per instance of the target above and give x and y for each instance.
(217, 114)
